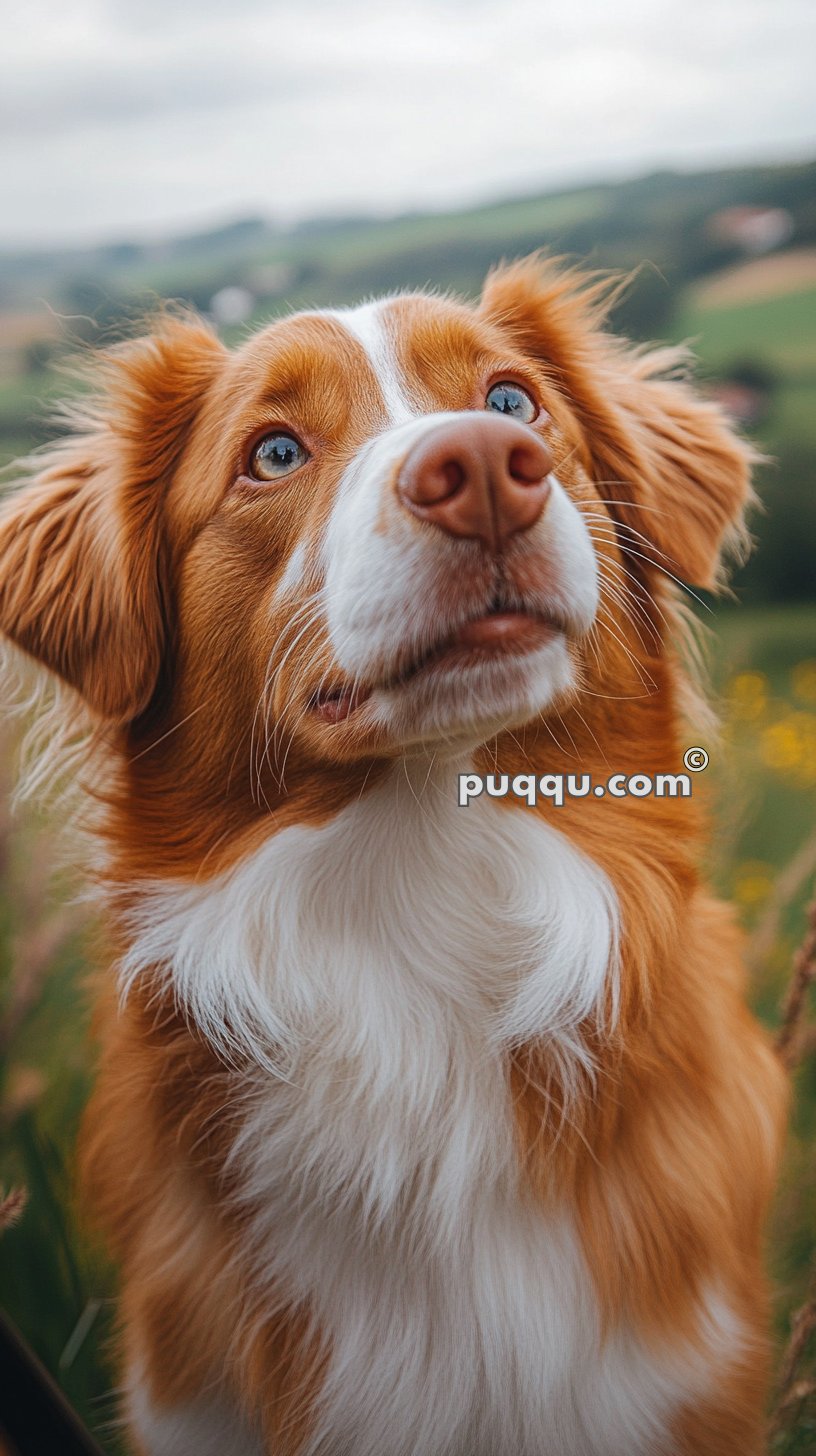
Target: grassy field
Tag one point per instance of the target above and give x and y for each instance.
(778, 333)
(781, 328)
(775, 335)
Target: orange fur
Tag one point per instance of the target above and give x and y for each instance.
(138, 569)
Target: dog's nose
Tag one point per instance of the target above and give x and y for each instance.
(483, 477)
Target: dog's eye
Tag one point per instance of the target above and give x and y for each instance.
(511, 399)
(277, 455)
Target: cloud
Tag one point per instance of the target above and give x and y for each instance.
(129, 117)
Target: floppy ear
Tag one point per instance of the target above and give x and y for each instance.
(81, 563)
(678, 473)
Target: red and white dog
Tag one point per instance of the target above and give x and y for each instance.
(420, 1130)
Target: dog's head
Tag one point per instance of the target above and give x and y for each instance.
(415, 522)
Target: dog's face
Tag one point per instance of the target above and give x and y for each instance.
(415, 522)
(392, 556)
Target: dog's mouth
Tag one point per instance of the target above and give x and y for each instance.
(505, 628)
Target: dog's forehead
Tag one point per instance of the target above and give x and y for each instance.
(410, 345)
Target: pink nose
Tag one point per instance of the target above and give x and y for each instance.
(483, 477)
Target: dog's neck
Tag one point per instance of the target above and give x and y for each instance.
(404, 900)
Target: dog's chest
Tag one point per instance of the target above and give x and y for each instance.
(378, 969)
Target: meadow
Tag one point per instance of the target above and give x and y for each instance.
(761, 783)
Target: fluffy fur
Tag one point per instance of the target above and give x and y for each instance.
(418, 1129)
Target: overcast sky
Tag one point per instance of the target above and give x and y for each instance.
(135, 117)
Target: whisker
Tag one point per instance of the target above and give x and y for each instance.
(170, 731)
(606, 624)
(650, 561)
(309, 608)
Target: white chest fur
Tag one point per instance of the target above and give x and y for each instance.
(376, 970)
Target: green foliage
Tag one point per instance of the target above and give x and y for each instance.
(55, 1283)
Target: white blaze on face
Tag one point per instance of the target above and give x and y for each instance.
(369, 326)
(396, 586)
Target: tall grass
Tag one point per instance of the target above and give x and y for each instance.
(54, 1283)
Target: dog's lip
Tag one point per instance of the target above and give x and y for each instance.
(502, 630)
(497, 630)
(335, 704)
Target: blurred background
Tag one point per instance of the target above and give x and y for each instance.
(253, 158)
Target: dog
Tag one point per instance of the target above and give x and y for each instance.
(421, 1128)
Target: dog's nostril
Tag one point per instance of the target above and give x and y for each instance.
(529, 466)
(437, 483)
(454, 473)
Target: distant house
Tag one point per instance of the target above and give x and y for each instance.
(746, 406)
(753, 229)
(745, 390)
(230, 306)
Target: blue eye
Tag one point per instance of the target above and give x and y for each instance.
(277, 455)
(510, 399)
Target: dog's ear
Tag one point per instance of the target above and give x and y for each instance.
(677, 472)
(81, 563)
